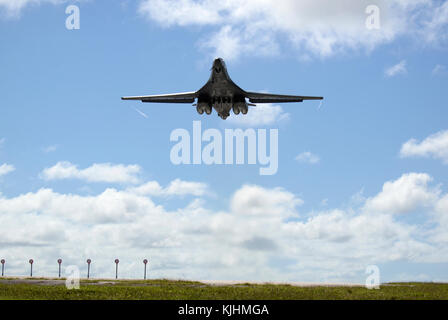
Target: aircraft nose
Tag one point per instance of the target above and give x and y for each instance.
(218, 64)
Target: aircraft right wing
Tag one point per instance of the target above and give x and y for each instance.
(185, 97)
(256, 97)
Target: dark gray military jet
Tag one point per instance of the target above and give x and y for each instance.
(222, 94)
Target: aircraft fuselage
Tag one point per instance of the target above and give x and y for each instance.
(221, 93)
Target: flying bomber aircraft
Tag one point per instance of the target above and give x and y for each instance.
(222, 94)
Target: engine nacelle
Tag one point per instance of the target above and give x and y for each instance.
(204, 107)
(199, 109)
(240, 107)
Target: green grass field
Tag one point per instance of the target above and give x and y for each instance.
(179, 290)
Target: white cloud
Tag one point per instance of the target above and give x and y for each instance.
(98, 172)
(183, 12)
(49, 149)
(179, 187)
(406, 194)
(317, 27)
(399, 68)
(257, 201)
(434, 146)
(308, 157)
(13, 8)
(434, 29)
(441, 216)
(259, 236)
(231, 43)
(175, 188)
(314, 27)
(6, 168)
(439, 69)
(261, 115)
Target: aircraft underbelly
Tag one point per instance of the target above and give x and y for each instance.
(222, 107)
(222, 91)
(222, 94)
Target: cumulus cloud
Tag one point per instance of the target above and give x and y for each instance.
(406, 194)
(435, 146)
(308, 157)
(13, 8)
(314, 27)
(322, 28)
(261, 115)
(256, 201)
(175, 188)
(109, 206)
(441, 216)
(261, 235)
(6, 168)
(231, 43)
(435, 27)
(98, 172)
(399, 68)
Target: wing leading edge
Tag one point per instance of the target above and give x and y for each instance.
(256, 97)
(184, 97)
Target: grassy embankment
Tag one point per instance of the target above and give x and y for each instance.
(179, 290)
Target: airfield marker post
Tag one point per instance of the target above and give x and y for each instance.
(145, 262)
(88, 268)
(59, 262)
(31, 264)
(116, 268)
(3, 267)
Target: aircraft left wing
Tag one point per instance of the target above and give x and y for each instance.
(185, 97)
(256, 97)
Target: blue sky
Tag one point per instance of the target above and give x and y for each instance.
(84, 174)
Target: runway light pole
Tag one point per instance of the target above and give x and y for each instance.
(145, 262)
(116, 268)
(59, 262)
(3, 267)
(88, 268)
(31, 264)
